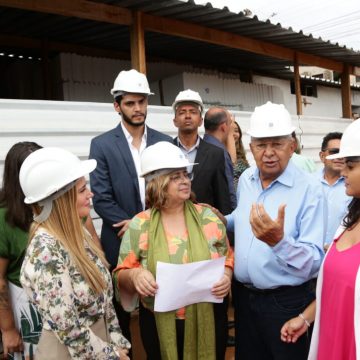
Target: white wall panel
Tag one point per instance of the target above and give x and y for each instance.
(88, 78)
(171, 87)
(72, 125)
(355, 98)
(232, 93)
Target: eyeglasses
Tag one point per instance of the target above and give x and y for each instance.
(178, 177)
(278, 145)
(332, 151)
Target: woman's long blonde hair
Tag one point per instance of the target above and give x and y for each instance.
(66, 226)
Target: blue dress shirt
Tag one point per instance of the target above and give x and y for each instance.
(297, 257)
(336, 204)
(229, 170)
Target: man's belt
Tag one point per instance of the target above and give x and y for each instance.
(253, 289)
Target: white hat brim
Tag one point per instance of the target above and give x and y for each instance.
(168, 167)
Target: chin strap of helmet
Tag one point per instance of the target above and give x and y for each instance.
(46, 204)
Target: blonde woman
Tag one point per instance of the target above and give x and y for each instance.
(64, 274)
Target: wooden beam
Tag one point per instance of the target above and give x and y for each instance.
(31, 43)
(96, 11)
(346, 92)
(137, 42)
(218, 37)
(297, 82)
(81, 9)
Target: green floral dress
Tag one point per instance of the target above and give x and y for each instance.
(68, 306)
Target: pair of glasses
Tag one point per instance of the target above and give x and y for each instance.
(332, 151)
(273, 145)
(177, 178)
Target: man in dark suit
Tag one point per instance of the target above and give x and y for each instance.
(209, 181)
(119, 192)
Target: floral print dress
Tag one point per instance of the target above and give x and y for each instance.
(68, 306)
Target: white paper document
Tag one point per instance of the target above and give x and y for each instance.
(185, 284)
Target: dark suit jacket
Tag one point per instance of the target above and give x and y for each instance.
(115, 184)
(209, 183)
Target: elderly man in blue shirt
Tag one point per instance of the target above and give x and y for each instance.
(333, 185)
(279, 234)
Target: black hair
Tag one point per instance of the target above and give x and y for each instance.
(330, 136)
(353, 215)
(11, 195)
(118, 99)
(213, 119)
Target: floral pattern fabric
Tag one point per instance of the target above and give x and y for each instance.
(134, 245)
(68, 306)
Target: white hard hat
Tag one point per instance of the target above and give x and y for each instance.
(163, 156)
(47, 170)
(188, 96)
(130, 81)
(350, 142)
(270, 120)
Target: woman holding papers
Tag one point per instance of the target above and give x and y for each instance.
(173, 230)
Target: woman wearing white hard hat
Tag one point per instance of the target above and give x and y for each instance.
(173, 230)
(336, 333)
(64, 274)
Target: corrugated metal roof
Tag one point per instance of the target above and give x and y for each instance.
(223, 19)
(114, 37)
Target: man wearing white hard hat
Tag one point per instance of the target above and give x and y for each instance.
(119, 192)
(279, 251)
(333, 185)
(208, 178)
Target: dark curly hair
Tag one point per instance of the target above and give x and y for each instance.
(353, 215)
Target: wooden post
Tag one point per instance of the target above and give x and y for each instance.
(297, 86)
(137, 40)
(346, 92)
